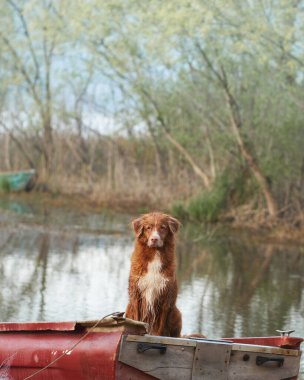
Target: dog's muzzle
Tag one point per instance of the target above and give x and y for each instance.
(155, 240)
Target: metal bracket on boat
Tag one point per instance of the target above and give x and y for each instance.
(142, 347)
(261, 360)
(285, 332)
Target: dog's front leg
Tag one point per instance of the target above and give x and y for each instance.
(161, 328)
(169, 322)
(134, 306)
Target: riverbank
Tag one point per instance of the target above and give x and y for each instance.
(287, 229)
(254, 226)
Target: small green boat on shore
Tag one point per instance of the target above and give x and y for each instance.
(15, 181)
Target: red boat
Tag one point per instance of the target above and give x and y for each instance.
(118, 348)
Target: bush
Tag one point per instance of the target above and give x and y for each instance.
(179, 210)
(208, 205)
(4, 185)
(227, 190)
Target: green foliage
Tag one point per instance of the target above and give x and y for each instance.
(179, 210)
(155, 66)
(229, 190)
(207, 206)
(4, 185)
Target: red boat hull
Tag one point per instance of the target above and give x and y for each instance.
(78, 351)
(25, 353)
(66, 350)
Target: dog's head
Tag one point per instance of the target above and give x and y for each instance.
(155, 228)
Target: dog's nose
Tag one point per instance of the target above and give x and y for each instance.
(154, 239)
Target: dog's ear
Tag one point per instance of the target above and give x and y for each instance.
(138, 226)
(173, 224)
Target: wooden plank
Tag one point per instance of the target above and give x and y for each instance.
(264, 349)
(162, 340)
(243, 367)
(188, 359)
(125, 372)
(175, 363)
(193, 342)
(211, 361)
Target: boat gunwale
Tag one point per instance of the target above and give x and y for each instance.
(16, 172)
(235, 346)
(110, 323)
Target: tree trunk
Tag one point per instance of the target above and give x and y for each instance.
(48, 145)
(197, 170)
(236, 124)
(160, 161)
(19, 145)
(248, 156)
(7, 151)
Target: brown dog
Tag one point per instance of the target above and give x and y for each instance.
(152, 281)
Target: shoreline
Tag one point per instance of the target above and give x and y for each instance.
(279, 233)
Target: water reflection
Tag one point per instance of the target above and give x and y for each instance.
(54, 276)
(232, 287)
(71, 265)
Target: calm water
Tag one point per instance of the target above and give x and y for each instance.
(60, 264)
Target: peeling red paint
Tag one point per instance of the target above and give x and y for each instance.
(92, 359)
(38, 326)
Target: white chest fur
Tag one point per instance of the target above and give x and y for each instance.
(153, 282)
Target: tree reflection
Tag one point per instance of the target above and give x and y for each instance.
(23, 269)
(229, 284)
(42, 263)
(254, 287)
(51, 275)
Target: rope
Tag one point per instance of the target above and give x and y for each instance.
(72, 347)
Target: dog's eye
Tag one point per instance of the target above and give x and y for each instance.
(148, 228)
(163, 227)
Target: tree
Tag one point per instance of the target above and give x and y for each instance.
(228, 48)
(32, 36)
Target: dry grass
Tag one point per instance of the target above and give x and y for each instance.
(280, 230)
(131, 175)
(129, 193)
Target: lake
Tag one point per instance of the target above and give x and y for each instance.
(59, 263)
